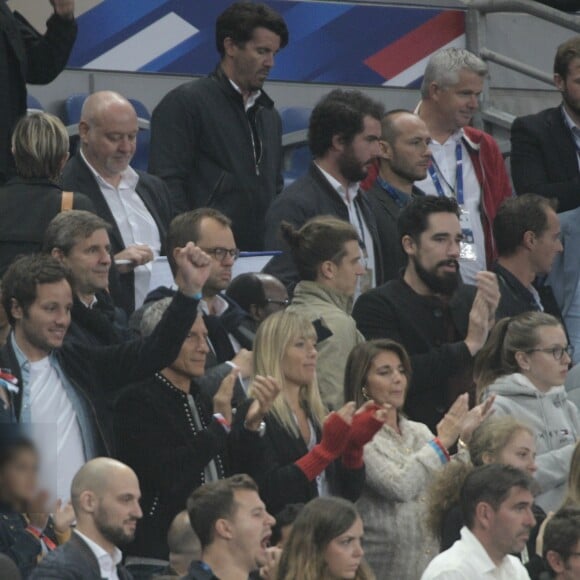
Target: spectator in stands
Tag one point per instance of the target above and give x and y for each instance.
(27, 532)
(562, 544)
(230, 329)
(441, 323)
(467, 163)
(80, 240)
(29, 201)
(258, 294)
(564, 276)
(233, 526)
(544, 155)
(328, 258)
(344, 133)
(401, 460)
(326, 542)
(524, 364)
(29, 57)
(284, 523)
(184, 545)
(176, 438)
(404, 158)
(527, 235)
(306, 452)
(503, 440)
(63, 389)
(105, 495)
(136, 204)
(217, 141)
(572, 498)
(8, 569)
(497, 505)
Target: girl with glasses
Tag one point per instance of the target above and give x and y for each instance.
(524, 364)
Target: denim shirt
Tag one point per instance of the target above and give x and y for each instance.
(78, 402)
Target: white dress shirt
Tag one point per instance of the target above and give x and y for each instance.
(444, 156)
(575, 130)
(220, 306)
(357, 219)
(107, 563)
(467, 559)
(134, 221)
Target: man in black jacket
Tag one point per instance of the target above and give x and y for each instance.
(136, 204)
(105, 496)
(29, 57)
(404, 158)
(441, 323)
(217, 142)
(545, 146)
(343, 135)
(65, 386)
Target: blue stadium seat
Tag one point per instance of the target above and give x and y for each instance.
(72, 110)
(295, 150)
(33, 104)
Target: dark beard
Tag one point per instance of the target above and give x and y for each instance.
(350, 168)
(114, 534)
(445, 284)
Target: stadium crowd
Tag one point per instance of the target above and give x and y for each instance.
(390, 399)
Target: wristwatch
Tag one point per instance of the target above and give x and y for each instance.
(261, 430)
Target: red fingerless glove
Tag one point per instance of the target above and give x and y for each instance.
(335, 435)
(364, 427)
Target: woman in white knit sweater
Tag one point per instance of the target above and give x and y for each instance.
(401, 461)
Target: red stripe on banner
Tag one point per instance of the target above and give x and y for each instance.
(421, 42)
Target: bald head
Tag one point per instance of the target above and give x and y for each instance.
(108, 132)
(399, 121)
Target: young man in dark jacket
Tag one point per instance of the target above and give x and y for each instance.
(217, 142)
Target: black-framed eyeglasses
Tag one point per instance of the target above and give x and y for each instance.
(282, 303)
(556, 351)
(220, 253)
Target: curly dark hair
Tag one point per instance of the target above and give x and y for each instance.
(414, 219)
(340, 113)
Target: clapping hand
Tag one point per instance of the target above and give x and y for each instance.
(475, 418)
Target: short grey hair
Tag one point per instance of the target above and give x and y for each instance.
(444, 67)
(152, 316)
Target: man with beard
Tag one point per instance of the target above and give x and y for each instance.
(545, 146)
(105, 496)
(343, 135)
(404, 158)
(440, 321)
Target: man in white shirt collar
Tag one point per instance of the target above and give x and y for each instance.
(464, 159)
(496, 501)
(105, 495)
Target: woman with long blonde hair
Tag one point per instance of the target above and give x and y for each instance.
(306, 453)
(325, 544)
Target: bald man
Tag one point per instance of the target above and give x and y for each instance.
(136, 204)
(184, 545)
(403, 159)
(105, 496)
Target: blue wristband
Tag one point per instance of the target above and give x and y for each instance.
(197, 296)
(439, 451)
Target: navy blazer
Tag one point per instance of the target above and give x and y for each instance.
(544, 159)
(77, 176)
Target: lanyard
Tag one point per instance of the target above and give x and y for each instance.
(400, 198)
(50, 545)
(361, 241)
(435, 172)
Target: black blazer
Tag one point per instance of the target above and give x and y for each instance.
(309, 196)
(26, 208)
(397, 312)
(544, 159)
(27, 57)
(386, 213)
(74, 560)
(151, 190)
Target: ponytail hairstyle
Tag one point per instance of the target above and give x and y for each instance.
(509, 336)
(317, 241)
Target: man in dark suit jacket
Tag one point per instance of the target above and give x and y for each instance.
(404, 158)
(343, 135)
(105, 496)
(29, 57)
(545, 146)
(135, 203)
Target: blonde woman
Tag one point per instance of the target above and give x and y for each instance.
(306, 453)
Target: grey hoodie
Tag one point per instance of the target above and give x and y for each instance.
(555, 421)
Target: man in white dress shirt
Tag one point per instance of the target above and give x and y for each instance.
(105, 495)
(467, 163)
(496, 501)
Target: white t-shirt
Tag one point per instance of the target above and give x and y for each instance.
(55, 430)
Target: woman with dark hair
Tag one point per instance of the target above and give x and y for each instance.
(524, 365)
(325, 544)
(27, 532)
(401, 460)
